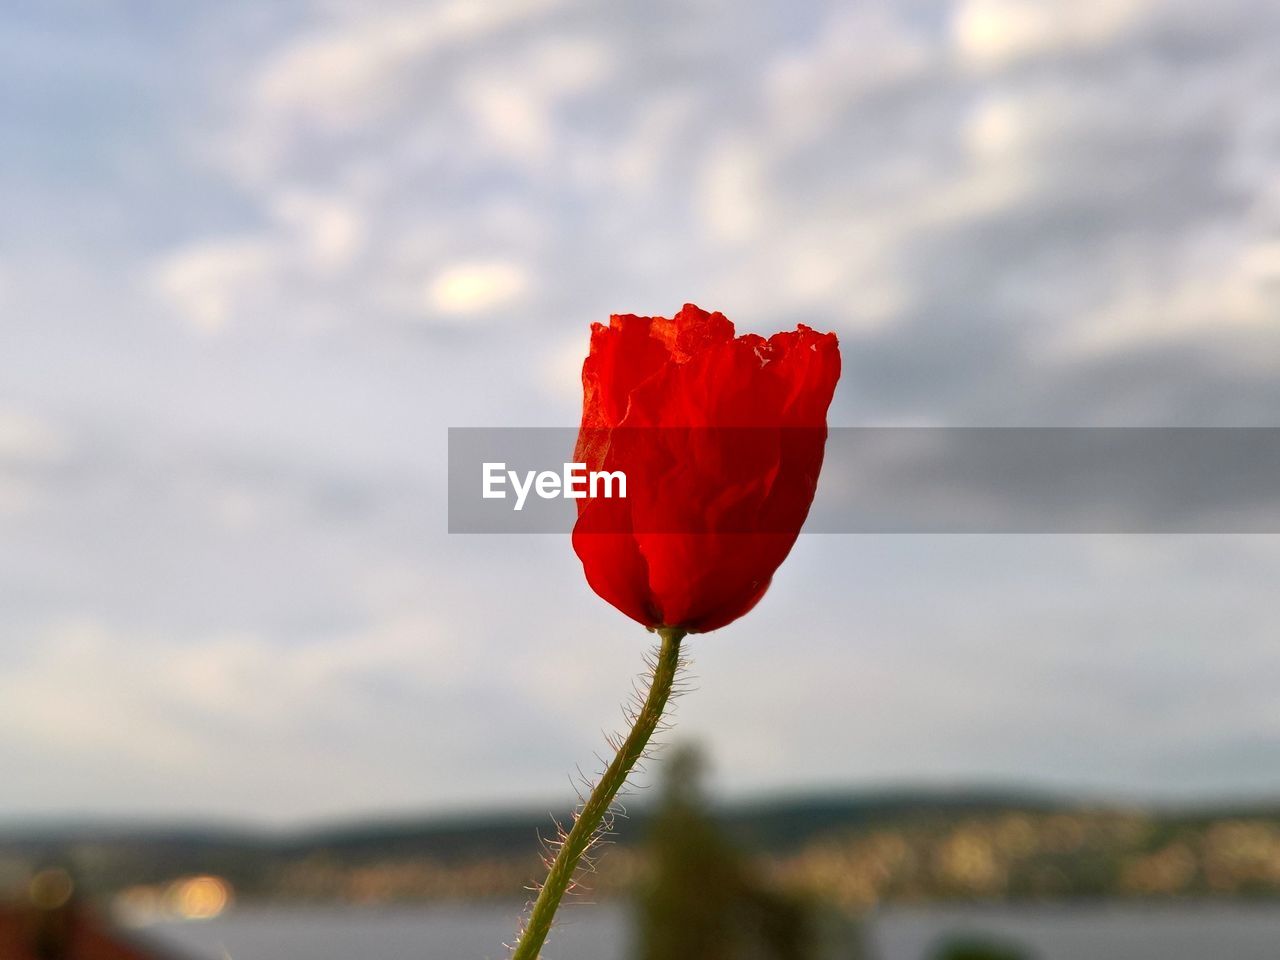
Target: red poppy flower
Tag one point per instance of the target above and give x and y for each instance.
(721, 440)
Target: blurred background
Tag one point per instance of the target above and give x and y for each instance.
(256, 258)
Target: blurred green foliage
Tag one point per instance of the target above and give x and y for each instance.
(702, 900)
(978, 948)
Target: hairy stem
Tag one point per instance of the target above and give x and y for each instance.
(560, 875)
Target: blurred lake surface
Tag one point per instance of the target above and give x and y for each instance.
(602, 932)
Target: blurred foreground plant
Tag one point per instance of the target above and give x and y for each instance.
(702, 900)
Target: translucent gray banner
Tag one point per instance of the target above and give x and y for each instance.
(919, 480)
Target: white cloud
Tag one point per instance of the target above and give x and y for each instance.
(340, 75)
(237, 509)
(636, 161)
(997, 127)
(78, 693)
(209, 281)
(732, 196)
(18, 497)
(313, 238)
(851, 270)
(329, 231)
(354, 74)
(990, 33)
(472, 287)
(26, 443)
(512, 97)
(334, 142)
(859, 50)
(1230, 288)
(561, 370)
(513, 117)
(176, 713)
(29, 439)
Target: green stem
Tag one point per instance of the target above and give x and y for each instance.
(560, 876)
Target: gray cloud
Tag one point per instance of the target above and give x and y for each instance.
(255, 261)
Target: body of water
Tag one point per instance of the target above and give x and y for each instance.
(1103, 932)
(1168, 932)
(595, 932)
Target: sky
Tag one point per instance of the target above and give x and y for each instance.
(255, 259)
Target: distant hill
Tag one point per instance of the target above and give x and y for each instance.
(775, 825)
(913, 844)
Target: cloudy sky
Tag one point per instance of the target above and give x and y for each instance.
(256, 258)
